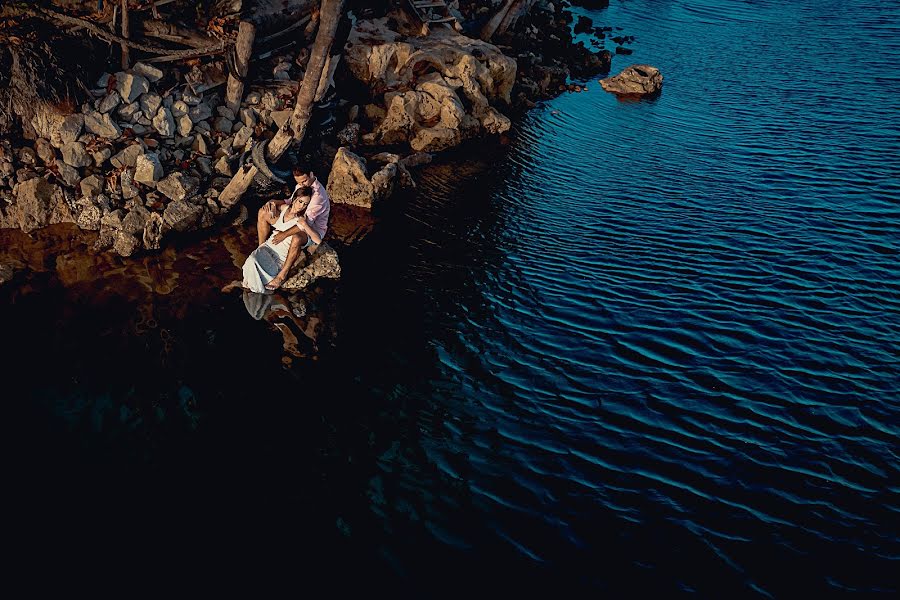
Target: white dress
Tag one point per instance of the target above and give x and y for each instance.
(265, 262)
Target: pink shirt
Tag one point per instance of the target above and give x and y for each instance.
(319, 208)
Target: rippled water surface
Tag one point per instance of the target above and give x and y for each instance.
(644, 347)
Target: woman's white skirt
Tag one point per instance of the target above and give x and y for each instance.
(260, 268)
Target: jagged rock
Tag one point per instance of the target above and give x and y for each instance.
(101, 156)
(66, 130)
(184, 125)
(636, 80)
(201, 112)
(431, 71)
(75, 155)
(150, 103)
(130, 86)
(348, 183)
(109, 102)
(254, 98)
(113, 219)
(223, 167)
(89, 217)
(241, 138)
(323, 263)
(45, 151)
(248, 117)
(39, 203)
(204, 165)
(280, 117)
(349, 135)
(190, 98)
(146, 71)
(226, 112)
(27, 156)
(125, 244)
(182, 216)
(102, 125)
(178, 186)
(153, 231)
(386, 157)
(223, 124)
(130, 112)
(180, 108)
(199, 145)
(127, 157)
(148, 168)
(135, 220)
(91, 186)
(126, 180)
(374, 112)
(416, 159)
(69, 175)
(164, 123)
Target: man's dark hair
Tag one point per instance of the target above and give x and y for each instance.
(299, 170)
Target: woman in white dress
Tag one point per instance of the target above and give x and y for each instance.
(265, 263)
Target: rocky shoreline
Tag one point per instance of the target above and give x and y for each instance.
(146, 156)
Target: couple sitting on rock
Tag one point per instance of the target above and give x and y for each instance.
(299, 222)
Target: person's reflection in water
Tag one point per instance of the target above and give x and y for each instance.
(285, 314)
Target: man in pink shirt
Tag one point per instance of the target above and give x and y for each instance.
(314, 224)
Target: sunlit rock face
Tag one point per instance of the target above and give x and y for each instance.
(636, 80)
(437, 90)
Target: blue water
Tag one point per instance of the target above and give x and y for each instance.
(643, 348)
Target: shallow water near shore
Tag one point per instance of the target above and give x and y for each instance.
(641, 347)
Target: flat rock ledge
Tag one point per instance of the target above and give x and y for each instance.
(321, 263)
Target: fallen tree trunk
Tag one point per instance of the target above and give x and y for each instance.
(244, 47)
(294, 129)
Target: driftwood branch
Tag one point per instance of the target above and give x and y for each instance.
(43, 13)
(173, 33)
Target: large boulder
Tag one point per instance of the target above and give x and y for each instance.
(348, 182)
(322, 263)
(636, 80)
(426, 79)
(39, 203)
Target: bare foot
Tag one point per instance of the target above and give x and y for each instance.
(275, 283)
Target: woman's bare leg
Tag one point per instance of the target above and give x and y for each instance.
(298, 240)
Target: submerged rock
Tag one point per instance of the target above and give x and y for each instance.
(636, 80)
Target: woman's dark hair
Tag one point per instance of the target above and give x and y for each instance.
(302, 191)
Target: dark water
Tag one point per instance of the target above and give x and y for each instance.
(647, 347)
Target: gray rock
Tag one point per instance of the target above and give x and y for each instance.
(68, 174)
(130, 86)
(126, 181)
(204, 165)
(110, 102)
(253, 98)
(226, 112)
(103, 81)
(148, 168)
(75, 155)
(40, 203)
(113, 219)
(349, 135)
(182, 216)
(280, 117)
(223, 124)
(164, 123)
(127, 157)
(130, 112)
(125, 244)
(91, 186)
(150, 103)
(147, 71)
(191, 99)
(201, 112)
(136, 219)
(184, 125)
(178, 186)
(102, 125)
(153, 231)
(68, 130)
